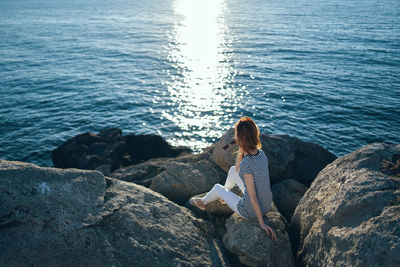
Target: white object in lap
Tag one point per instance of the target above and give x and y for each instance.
(219, 191)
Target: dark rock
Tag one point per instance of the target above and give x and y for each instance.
(350, 216)
(287, 195)
(105, 169)
(309, 159)
(143, 147)
(93, 161)
(70, 155)
(111, 135)
(98, 148)
(87, 138)
(281, 156)
(288, 157)
(56, 217)
(89, 150)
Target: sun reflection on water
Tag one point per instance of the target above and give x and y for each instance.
(200, 85)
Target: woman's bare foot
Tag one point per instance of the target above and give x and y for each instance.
(221, 200)
(198, 203)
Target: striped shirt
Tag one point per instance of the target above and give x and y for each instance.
(257, 165)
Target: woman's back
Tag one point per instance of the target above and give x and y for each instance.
(257, 165)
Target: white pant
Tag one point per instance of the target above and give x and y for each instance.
(223, 192)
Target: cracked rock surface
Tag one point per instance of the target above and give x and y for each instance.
(176, 178)
(74, 217)
(350, 216)
(253, 246)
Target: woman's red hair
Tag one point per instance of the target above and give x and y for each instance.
(247, 135)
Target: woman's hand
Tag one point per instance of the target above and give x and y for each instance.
(269, 231)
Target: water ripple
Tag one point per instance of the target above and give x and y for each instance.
(327, 72)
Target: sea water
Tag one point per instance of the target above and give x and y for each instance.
(327, 72)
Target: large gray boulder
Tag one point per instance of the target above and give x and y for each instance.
(176, 178)
(143, 173)
(251, 244)
(287, 195)
(288, 157)
(350, 216)
(181, 181)
(71, 217)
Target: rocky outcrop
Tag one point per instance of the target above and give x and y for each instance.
(251, 244)
(181, 181)
(109, 150)
(350, 216)
(176, 178)
(309, 159)
(287, 195)
(70, 217)
(288, 157)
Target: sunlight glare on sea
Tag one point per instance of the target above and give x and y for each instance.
(199, 85)
(326, 72)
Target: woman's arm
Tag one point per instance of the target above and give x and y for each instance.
(248, 178)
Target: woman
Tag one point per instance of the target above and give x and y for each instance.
(251, 175)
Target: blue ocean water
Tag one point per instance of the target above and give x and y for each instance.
(325, 71)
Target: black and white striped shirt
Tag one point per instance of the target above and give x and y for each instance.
(257, 165)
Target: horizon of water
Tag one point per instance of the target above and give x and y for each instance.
(327, 72)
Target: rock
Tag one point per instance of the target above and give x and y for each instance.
(281, 157)
(87, 138)
(278, 151)
(176, 178)
(309, 159)
(225, 158)
(70, 217)
(288, 157)
(143, 147)
(287, 195)
(215, 212)
(142, 173)
(253, 246)
(350, 216)
(180, 181)
(109, 147)
(104, 169)
(111, 135)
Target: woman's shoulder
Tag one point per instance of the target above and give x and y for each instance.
(263, 154)
(258, 154)
(260, 157)
(245, 160)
